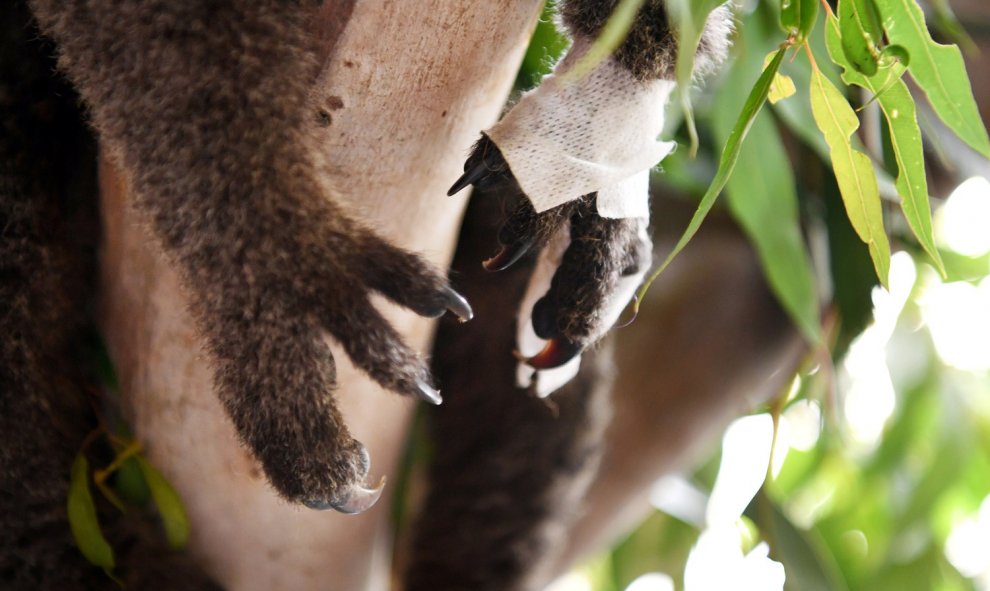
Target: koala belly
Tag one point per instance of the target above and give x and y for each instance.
(442, 74)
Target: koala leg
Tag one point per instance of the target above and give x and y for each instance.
(507, 480)
(575, 153)
(205, 105)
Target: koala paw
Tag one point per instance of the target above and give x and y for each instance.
(267, 318)
(587, 270)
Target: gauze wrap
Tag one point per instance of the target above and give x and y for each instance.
(576, 135)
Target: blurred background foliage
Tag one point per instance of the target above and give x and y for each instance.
(873, 471)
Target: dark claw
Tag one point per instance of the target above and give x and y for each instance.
(470, 177)
(508, 255)
(428, 392)
(458, 305)
(557, 352)
(357, 500)
(485, 161)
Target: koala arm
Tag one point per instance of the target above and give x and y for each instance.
(575, 154)
(204, 104)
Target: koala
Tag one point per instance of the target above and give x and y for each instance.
(206, 107)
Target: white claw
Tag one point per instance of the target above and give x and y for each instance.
(360, 499)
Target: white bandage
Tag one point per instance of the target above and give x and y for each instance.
(576, 135)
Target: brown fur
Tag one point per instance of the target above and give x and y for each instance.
(509, 469)
(215, 133)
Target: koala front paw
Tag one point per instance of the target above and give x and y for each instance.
(266, 319)
(587, 270)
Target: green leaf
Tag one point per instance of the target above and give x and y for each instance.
(797, 17)
(861, 34)
(938, 69)
(727, 162)
(899, 110)
(83, 521)
(853, 170)
(169, 504)
(690, 17)
(761, 196)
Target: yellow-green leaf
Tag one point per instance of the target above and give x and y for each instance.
(853, 170)
(83, 521)
(169, 504)
(938, 69)
(898, 107)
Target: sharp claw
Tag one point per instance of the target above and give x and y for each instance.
(458, 305)
(428, 392)
(357, 500)
(508, 255)
(470, 177)
(557, 352)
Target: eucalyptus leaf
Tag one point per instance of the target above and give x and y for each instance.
(898, 107)
(727, 162)
(861, 34)
(170, 507)
(938, 69)
(853, 170)
(797, 17)
(83, 521)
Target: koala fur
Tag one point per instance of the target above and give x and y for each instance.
(206, 107)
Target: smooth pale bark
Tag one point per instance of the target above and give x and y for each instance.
(408, 85)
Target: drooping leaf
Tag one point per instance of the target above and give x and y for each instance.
(853, 170)
(899, 110)
(727, 162)
(169, 504)
(861, 34)
(83, 521)
(797, 17)
(761, 196)
(938, 69)
(796, 112)
(690, 17)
